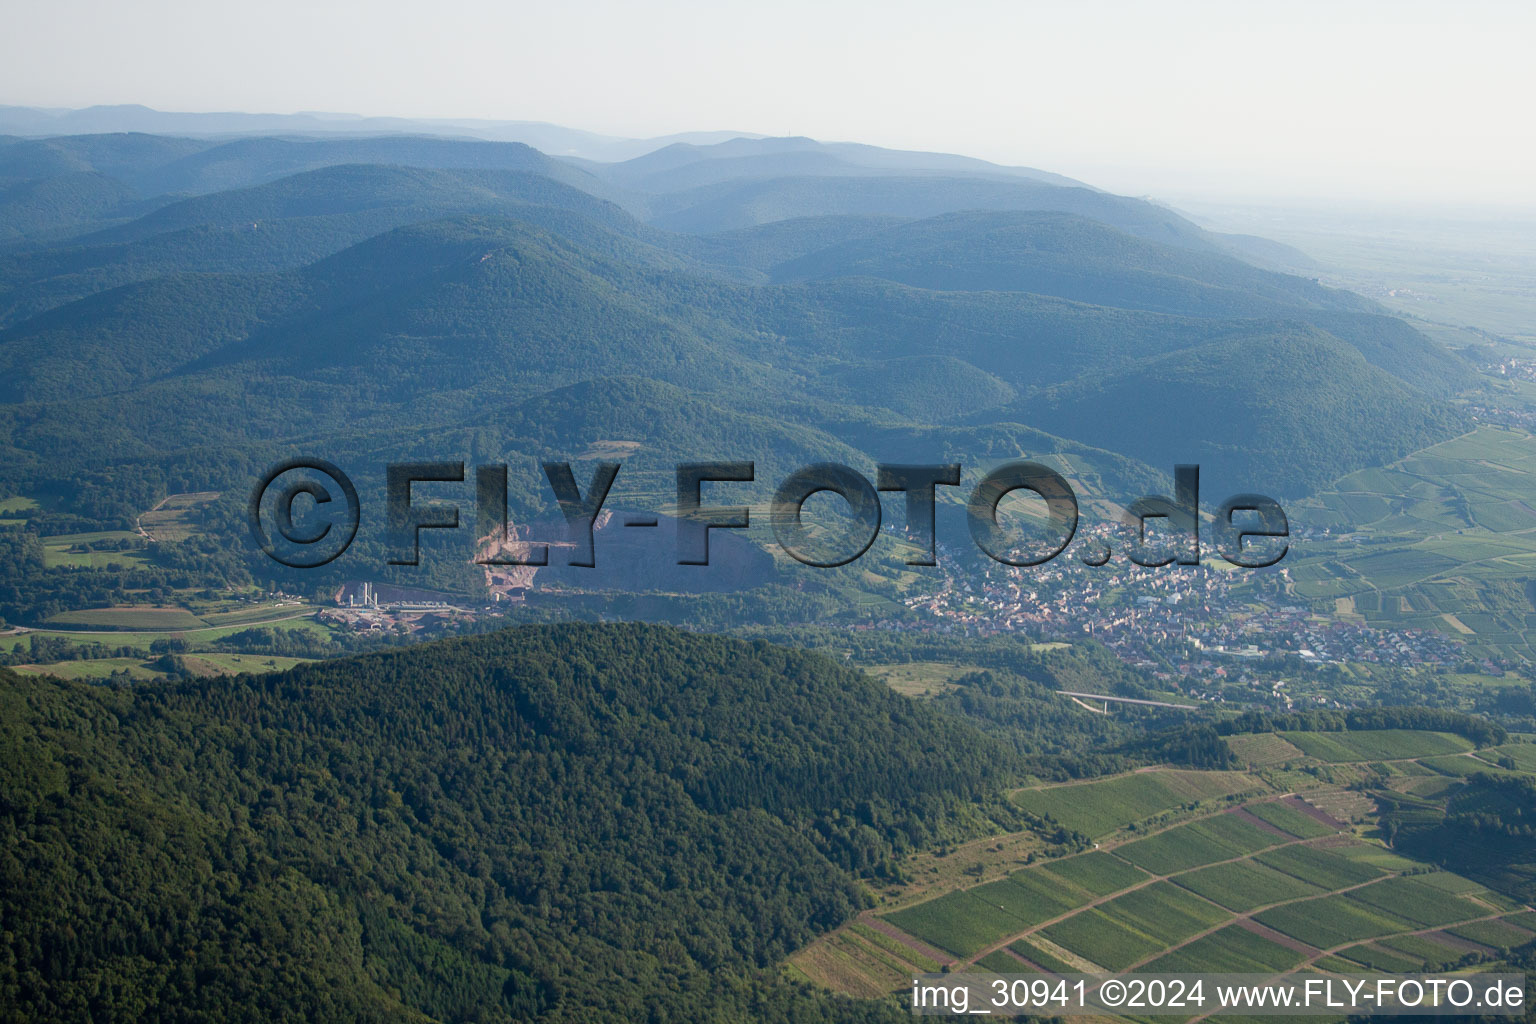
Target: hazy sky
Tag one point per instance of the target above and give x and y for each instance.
(1396, 99)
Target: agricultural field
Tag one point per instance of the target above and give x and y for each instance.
(97, 668)
(1444, 539)
(1287, 817)
(1101, 807)
(1263, 749)
(1096, 874)
(1263, 882)
(208, 664)
(1219, 838)
(1521, 755)
(160, 618)
(1376, 745)
(1331, 921)
(1325, 868)
(1244, 885)
(284, 617)
(1236, 949)
(1501, 933)
(959, 922)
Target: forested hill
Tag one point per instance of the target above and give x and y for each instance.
(572, 823)
(176, 315)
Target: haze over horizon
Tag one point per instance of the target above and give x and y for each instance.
(1396, 102)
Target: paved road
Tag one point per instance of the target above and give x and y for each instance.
(1128, 700)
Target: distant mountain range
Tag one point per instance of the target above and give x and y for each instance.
(777, 299)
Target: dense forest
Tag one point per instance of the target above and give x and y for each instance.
(571, 823)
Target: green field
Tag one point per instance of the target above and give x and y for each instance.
(208, 664)
(1376, 744)
(1323, 868)
(129, 618)
(1378, 958)
(290, 618)
(1460, 767)
(1522, 754)
(1106, 941)
(1243, 885)
(1190, 846)
(1233, 949)
(99, 668)
(1097, 874)
(1411, 900)
(1330, 921)
(1165, 912)
(71, 550)
(1027, 897)
(1263, 749)
(958, 922)
(1289, 819)
(1099, 808)
(1495, 934)
(1424, 949)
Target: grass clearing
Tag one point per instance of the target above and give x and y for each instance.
(217, 664)
(920, 678)
(176, 518)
